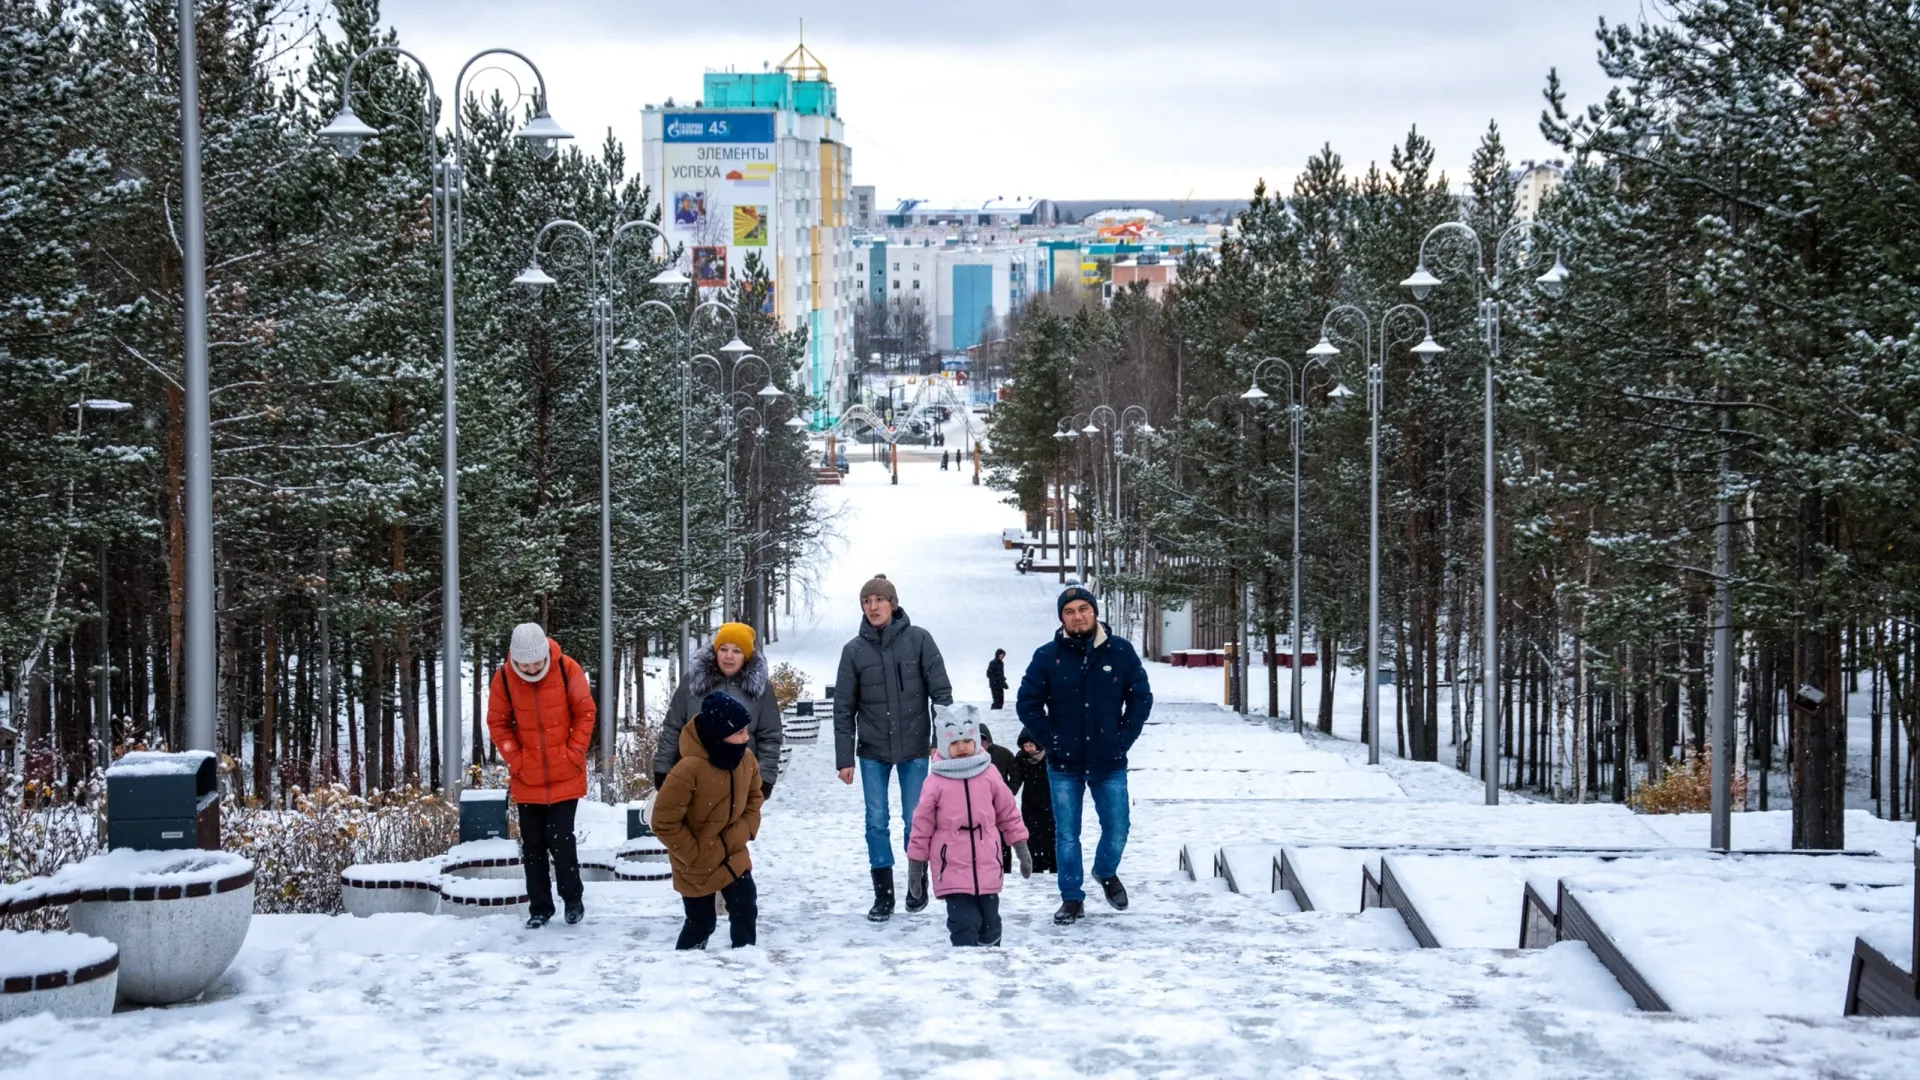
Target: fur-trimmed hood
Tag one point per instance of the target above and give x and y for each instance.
(706, 676)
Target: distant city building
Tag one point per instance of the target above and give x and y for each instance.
(970, 213)
(760, 167)
(862, 213)
(968, 293)
(1533, 182)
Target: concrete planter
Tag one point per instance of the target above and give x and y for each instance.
(171, 948)
(177, 917)
(72, 976)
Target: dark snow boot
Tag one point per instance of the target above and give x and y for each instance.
(535, 922)
(882, 909)
(575, 912)
(1116, 892)
(1071, 911)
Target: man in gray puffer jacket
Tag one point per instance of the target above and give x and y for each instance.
(733, 666)
(891, 675)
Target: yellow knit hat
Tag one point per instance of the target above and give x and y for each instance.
(736, 634)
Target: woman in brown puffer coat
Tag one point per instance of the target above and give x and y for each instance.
(705, 814)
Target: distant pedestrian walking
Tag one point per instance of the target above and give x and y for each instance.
(964, 812)
(540, 715)
(1085, 699)
(890, 676)
(943, 461)
(997, 678)
(706, 814)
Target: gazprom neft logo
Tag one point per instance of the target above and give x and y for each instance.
(750, 127)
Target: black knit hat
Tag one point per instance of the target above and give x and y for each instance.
(722, 714)
(1072, 593)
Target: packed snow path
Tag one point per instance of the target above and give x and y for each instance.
(1192, 980)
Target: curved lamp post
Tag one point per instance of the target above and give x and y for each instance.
(346, 133)
(734, 347)
(602, 277)
(1487, 281)
(1296, 414)
(1427, 349)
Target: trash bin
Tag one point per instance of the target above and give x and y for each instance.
(639, 815)
(160, 802)
(803, 708)
(483, 814)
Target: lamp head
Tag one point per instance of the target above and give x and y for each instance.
(1089, 429)
(672, 278)
(1145, 428)
(533, 277)
(736, 347)
(769, 392)
(105, 405)
(795, 423)
(1421, 282)
(346, 133)
(1339, 392)
(1324, 349)
(1554, 281)
(1428, 348)
(1254, 393)
(542, 135)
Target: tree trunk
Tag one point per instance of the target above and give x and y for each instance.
(1820, 732)
(263, 749)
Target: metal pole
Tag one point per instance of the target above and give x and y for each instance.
(450, 712)
(1720, 712)
(608, 681)
(1489, 691)
(103, 710)
(1298, 724)
(199, 655)
(1376, 389)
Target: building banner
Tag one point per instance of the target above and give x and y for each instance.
(690, 209)
(750, 226)
(710, 267)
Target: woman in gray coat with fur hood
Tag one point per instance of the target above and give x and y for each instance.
(734, 667)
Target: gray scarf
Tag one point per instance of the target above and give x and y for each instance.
(965, 768)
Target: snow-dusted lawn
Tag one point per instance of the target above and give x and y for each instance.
(1192, 981)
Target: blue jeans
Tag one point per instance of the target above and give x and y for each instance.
(873, 784)
(1109, 791)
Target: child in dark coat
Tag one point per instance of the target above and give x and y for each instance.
(965, 809)
(1036, 800)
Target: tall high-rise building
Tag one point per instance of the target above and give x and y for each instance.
(759, 169)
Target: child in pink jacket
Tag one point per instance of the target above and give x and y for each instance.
(965, 809)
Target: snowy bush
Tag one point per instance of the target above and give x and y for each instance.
(298, 853)
(633, 764)
(1685, 789)
(40, 832)
(789, 684)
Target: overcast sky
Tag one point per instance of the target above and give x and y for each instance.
(1066, 99)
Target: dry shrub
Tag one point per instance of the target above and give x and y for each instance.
(1685, 789)
(298, 854)
(40, 832)
(789, 685)
(632, 764)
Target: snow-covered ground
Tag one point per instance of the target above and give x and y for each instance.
(1191, 981)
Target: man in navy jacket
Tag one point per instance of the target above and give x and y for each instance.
(1085, 698)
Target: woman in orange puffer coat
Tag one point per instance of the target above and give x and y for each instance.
(540, 714)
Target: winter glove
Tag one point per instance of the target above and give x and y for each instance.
(766, 789)
(916, 884)
(1025, 856)
(659, 780)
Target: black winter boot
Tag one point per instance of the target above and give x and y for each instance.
(1071, 911)
(882, 895)
(1116, 892)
